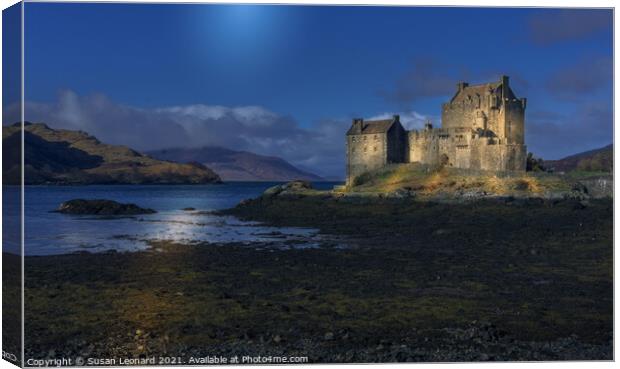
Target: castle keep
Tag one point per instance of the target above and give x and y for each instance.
(482, 128)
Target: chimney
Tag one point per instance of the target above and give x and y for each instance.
(504, 80)
(358, 125)
(396, 117)
(461, 86)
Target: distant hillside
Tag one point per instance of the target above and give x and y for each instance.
(237, 165)
(73, 157)
(598, 160)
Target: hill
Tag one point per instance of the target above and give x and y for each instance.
(58, 156)
(598, 160)
(234, 165)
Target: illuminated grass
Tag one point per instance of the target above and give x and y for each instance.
(429, 182)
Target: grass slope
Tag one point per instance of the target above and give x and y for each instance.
(428, 182)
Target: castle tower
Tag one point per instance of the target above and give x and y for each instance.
(374, 144)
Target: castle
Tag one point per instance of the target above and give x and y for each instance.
(482, 128)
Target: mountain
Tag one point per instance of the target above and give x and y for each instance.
(237, 165)
(598, 160)
(58, 156)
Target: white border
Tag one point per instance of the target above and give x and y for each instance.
(471, 3)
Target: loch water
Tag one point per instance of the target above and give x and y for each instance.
(48, 233)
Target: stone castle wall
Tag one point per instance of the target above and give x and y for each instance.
(478, 113)
(397, 149)
(514, 115)
(366, 152)
(462, 150)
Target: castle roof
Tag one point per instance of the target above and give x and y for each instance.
(473, 90)
(373, 126)
(482, 89)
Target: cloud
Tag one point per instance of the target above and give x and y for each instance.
(581, 80)
(426, 78)
(251, 128)
(553, 135)
(409, 120)
(110, 122)
(552, 26)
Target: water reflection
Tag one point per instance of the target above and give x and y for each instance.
(133, 233)
(54, 233)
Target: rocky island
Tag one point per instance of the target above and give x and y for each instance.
(100, 207)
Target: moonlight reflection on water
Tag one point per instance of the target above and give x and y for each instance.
(53, 233)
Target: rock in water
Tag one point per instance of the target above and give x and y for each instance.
(100, 207)
(298, 185)
(289, 188)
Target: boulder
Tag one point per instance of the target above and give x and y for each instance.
(272, 191)
(290, 188)
(100, 207)
(297, 185)
(598, 187)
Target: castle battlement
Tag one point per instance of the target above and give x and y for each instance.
(483, 127)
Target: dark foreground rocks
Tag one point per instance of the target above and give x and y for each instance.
(392, 301)
(100, 207)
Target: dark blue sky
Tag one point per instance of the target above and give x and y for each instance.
(307, 66)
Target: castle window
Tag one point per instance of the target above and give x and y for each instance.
(375, 148)
(365, 149)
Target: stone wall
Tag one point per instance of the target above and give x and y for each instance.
(481, 112)
(365, 152)
(397, 149)
(497, 157)
(462, 150)
(515, 116)
(599, 187)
